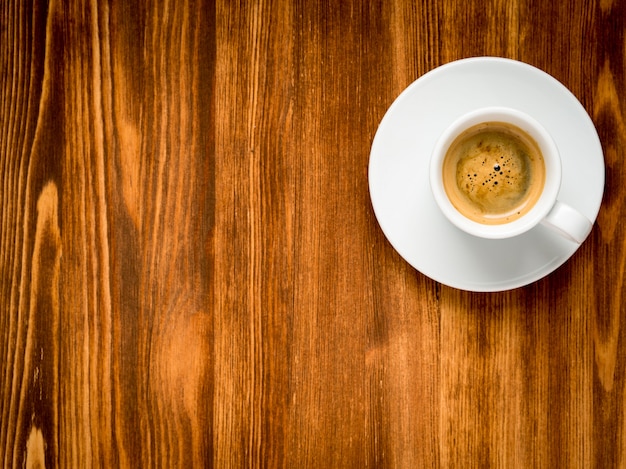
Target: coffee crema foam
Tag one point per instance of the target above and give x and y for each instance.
(493, 173)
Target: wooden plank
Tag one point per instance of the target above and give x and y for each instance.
(191, 273)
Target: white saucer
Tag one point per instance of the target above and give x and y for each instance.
(399, 162)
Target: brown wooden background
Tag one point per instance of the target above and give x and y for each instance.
(191, 274)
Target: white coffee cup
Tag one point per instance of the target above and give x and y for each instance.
(546, 208)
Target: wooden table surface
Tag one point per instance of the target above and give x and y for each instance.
(192, 275)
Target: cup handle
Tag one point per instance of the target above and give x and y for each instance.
(568, 222)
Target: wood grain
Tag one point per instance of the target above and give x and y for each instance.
(191, 273)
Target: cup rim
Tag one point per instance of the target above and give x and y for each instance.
(551, 156)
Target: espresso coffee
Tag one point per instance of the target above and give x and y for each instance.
(493, 173)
